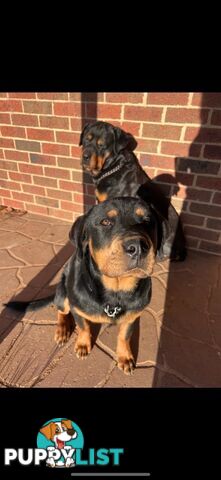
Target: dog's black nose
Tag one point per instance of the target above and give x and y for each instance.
(70, 431)
(135, 247)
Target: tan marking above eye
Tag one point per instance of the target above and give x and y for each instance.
(112, 213)
(89, 136)
(140, 212)
(100, 142)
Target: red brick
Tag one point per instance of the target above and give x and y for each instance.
(194, 194)
(60, 194)
(53, 122)
(45, 182)
(214, 223)
(52, 96)
(187, 115)
(210, 247)
(33, 169)
(213, 183)
(167, 98)
(217, 198)
(37, 209)
(203, 135)
(22, 95)
(192, 242)
(67, 137)
(75, 96)
(84, 199)
(47, 202)
(38, 134)
(104, 111)
(6, 143)
(10, 185)
(88, 97)
(37, 107)
(173, 177)
(146, 114)
(147, 146)
(55, 149)
(3, 95)
(42, 159)
(28, 145)
(158, 161)
(216, 117)
(161, 131)
(68, 185)
(67, 109)
(24, 197)
(80, 176)
(131, 127)
(10, 106)
(57, 173)
(180, 149)
(5, 118)
(206, 210)
(124, 97)
(3, 174)
(90, 189)
(212, 152)
(76, 125)
(14, 204)
(207, 99)
(197, 166)
(69, 163)
(20, 177)
(13, 132)
(8, 165)
(26, 120)
(71, 207)
(17, 156)
(4, 193)
(60, 214)
(75, 151)
(33, 189)
(189, 219)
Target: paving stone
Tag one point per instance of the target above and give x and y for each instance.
(8, 281)
(56, 234)
(35, 252)
(142, 377)
(33, 228)
(6, 260)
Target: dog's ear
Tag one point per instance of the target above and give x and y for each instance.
(47, 431)
(78, 234)
(123, 140)
(84, 131)
(67, 424)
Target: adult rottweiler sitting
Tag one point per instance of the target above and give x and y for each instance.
(107, 280)
(107, 153)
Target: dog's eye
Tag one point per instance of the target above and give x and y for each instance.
(106, 222)
(57, 430)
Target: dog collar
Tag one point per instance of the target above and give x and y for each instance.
(108, 173)
(112, 311)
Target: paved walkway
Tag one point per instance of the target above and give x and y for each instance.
(177, 342)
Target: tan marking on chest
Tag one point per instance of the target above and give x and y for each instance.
(101, 197)
(126, 284)
(128, 317)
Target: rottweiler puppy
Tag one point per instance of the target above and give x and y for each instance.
(107, 153)
(108, 278)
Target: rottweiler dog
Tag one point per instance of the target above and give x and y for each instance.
(107, 153)
(108, 278)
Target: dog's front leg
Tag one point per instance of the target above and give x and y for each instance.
(125, 359)
(83, 343)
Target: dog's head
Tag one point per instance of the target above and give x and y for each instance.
(120, 236)
(101, 142)
(59, 432)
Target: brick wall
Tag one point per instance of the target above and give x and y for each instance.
(179, 144)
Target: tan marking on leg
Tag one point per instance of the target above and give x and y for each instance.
(124, 355)
(83, 343)
(64, 329)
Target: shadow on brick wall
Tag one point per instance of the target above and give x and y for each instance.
(189, 336)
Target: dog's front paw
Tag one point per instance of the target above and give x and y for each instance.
(82, 350)
(126, 364)
(63, 331)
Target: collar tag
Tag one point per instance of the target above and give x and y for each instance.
(112, 311)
